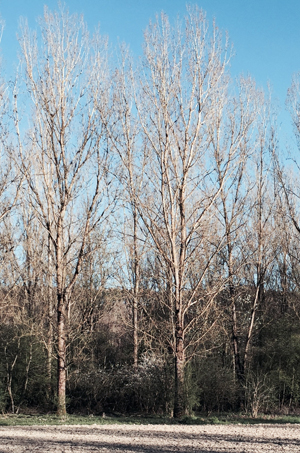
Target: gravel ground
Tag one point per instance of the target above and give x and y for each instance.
(151, 439)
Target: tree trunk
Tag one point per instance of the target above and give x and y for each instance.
(135, 331)
(61, 323)
(179, 391)
(49, 347)
(61, 349)
(238, 365)
(135, 290)
(50, 325)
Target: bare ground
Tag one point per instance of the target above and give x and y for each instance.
(151, 439)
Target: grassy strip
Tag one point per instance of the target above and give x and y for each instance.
(30, 420)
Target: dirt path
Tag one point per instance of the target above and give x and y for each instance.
(151, 439)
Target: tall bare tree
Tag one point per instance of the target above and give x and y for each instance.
(288, 191)
(123, 129)
(62, 155)
(235, 132)
(183, 82)
(9, 191)
(9, 182)
(245, 210)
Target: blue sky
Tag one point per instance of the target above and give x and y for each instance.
(265, 33)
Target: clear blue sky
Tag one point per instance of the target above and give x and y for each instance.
(265, 33)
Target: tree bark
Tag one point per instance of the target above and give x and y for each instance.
(136, 278)
(61, 360)
(179, 391)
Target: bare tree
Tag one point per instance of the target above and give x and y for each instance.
(288, 194)
(9, 191)
(234, 132)
(182, 84)
(245, 210)
(288, 183)
(261, 232)
(62, 156)
(123, 129)
(9, 182)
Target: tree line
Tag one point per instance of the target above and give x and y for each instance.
(149, 228)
